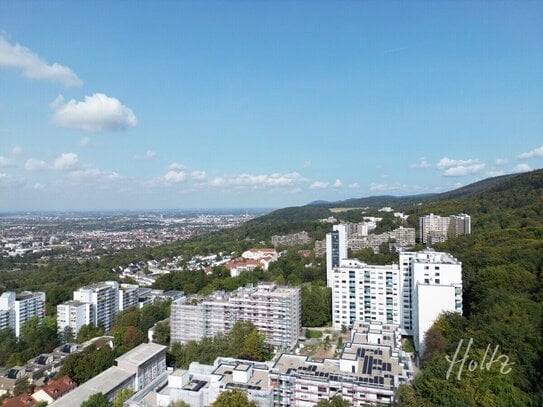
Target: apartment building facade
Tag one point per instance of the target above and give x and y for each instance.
(96, 304)
(17, 309)
(437, 229)
(410, 294)
(274, 310)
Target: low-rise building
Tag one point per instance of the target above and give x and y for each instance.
(54, 389)
(135, 369)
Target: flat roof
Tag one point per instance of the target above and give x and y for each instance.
(104, 383)
(141, 353)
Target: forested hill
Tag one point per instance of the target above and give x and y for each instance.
(320, 209)
(503, 300)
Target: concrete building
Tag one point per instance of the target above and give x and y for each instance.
(135, 369)
(411, 294)
(74, 314)
(431, 283)
(365, 292)
(291, 239)
(274, 310)
(96, 304)
(336, 249)
(368, 372)
(396, 240)
(437, 229)
(17, 309)
(320, 248)
(128, 296)
(104, 299)
(460, 225)
(201, 384)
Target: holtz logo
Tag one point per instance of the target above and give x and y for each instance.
(472, 364)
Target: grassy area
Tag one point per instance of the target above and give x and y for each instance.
(313, 334)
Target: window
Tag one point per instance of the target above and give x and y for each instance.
(437, 281)
(426, 281)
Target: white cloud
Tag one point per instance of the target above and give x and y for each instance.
(176, 167)
(459, 168)
(36, 165)
(500, 161)
(522, 167)
(38, 186)
(307, 164)
(97, 113)
(17, 150)
(93, 175)
(175, 177)
(376, 187)
(494, 173)
(149, 155)
(258, 181)
(198, 175)
(354, 185)
(319, 185)
(324, 184)
(66, 161)
(32, 66)
(421, 164)
(536, 152)
(6, 162)
(7, 180)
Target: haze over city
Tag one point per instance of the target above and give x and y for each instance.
(244, 104)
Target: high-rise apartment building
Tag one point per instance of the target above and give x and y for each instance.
(274, 310)
(17, 309)
(96, 304)
(411, 294)
(336, 249)
(460, 225)
(437, 229)
(74, 314)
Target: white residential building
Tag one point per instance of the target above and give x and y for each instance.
(436, 229)
(433, 228)
(370, 369)
(128, 296)
(96, 304)
(135, 369)
(74, 314)
(431, 284)
(411, 294)
(336, 250)
(17, 309)
(365, 292)
(274, 310)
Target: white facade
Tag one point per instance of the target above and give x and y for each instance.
(411, 294)
(128, 296)
(104, 300)
(436, 229)
(432, 284)
(274, 310)
(73, 314)
(17, 309)
(366, 293)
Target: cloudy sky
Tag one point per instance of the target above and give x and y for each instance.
(262, 104)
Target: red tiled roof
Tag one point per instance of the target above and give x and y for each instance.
(59, 387)
(23, 400)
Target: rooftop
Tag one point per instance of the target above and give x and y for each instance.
(141, 353)
(104, 383)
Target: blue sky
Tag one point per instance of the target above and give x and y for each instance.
(111, 105)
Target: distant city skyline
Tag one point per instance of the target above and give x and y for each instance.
(152, 105)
